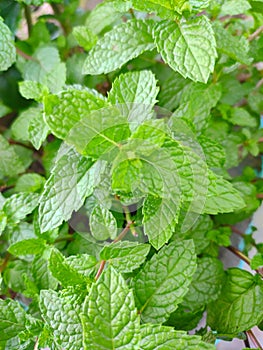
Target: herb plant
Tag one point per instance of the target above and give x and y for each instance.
(129, 145)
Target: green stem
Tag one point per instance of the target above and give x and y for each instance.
(5, 262)
(28, 17)
(130, 221)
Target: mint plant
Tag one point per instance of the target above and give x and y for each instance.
(130, 150)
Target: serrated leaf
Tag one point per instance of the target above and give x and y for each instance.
(12, 319)
(155, 337)
(135, 95)
(65, 272)
(103, 224)
(239, 116)
(207, 283)
(240, 305)
(106, 13)
(19, 205)
(61, 314)
(196, 103)
(214, 152)
(256, 261)
(7, 47)
(32, 90)
(37, 131)
(165, 9)
(222, 197)
(187, 47)
(46, 68)
(109, 318)
(163, 281)
(83, 263)
(236, 47)
(41, 275)
(10, 162)
(85, 37)
(65, 190)
(66, 109)
(123, 43)
(125, 256)
(99, 132)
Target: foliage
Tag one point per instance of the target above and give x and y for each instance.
(124, 134)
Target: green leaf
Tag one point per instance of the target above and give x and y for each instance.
(84, 37)
(125, 256)
(32, 90)
(83, 263)
(222, 197)
(10, 162)
(160, 337)
(41, 275)
(12, 319)
(37, 131)
(164, 280)
(61, 314)
(66, 109)
(135, 95)
(3, 221)
(196, 103)
(7, 47)
(109, 318)
(188, 47)
(256, 261)
(240, 305)
(103, 224)
(65, 190)
(232, 7)
(214, 152)
(236, 47)
(239, 116)
(46, 68)
(123, 43)
(65, 272)
(30, 183)
(206, 285)
(163, 8)
(106, 13)
(24, 241)
(99, 132)
(19, 205)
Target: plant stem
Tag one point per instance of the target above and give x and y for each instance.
(239, 254)
(6, 188)
(68, 238)
(119, 238)
(254, 339)
(246, 341)
(24, 55)
(129, 220)
(5, 262)
(28, 17)
(36, 344)
(255, 34)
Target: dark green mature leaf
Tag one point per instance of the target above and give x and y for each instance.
(125, 256)
(65, 190)
(10, 162)
(65, 272)
(62, 315)
(164, 280)
(206, 285)
(7, 47)
(188, 47)
(240, 305)
(66, 109)
(123, 43)
(109, 318)
(160, 337)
